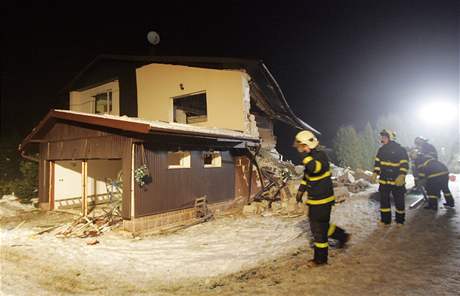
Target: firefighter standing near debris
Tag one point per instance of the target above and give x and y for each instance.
(318, 184)
(392, 165)
(434, 176)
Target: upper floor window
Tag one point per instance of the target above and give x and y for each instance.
(103, 103)
(190, 108)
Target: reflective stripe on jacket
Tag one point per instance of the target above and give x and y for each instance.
(317, 178)
(391, 161)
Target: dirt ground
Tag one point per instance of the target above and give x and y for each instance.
(238, 256)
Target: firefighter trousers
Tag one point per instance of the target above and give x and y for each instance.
(434, 187)
(398, 193)
(319, 217)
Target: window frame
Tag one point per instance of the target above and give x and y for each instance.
(185, 161)
(214, 163)
(109, 100)
(173, 107)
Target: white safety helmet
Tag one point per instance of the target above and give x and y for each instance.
(307, 138)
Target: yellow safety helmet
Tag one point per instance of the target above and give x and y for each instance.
(307, 138)
(390, 134)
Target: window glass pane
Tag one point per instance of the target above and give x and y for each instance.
(103, 103)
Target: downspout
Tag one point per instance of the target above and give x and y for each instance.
(28, 157)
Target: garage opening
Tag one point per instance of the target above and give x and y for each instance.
(104, 185)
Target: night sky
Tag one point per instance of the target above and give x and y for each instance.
(338, 62)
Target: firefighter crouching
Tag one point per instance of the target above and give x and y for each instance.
(320, 196)
(434, 176)
(425, 148)
(392, 165)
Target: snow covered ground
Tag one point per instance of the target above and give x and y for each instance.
(238, 255)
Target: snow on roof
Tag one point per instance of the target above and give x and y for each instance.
(170, 126)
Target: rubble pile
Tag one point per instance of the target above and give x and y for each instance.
(347, 181)
(282, 180)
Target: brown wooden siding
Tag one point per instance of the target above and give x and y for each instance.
(43, 174)
(174, 189)
(107, 147)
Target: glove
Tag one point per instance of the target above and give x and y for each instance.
(400, 180)
(299, 195)
(374, 178)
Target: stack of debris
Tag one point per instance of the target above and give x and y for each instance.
(277, 193)
(91, 226)
(276, 173)
(347, 181)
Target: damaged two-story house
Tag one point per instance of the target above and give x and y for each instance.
(165, 131)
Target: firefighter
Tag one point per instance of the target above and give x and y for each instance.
(425, 148)
(320, 196)
(392, 166)
(434, 176)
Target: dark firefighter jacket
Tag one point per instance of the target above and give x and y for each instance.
(390, 162)
(429, 168)
(317, 179)
(428, 150)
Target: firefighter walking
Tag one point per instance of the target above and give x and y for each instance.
(434, 176)
(317, 183)
(391, 166)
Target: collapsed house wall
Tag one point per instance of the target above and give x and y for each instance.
(158, 84)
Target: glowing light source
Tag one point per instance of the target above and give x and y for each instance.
(439, 113)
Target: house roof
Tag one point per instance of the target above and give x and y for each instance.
(135, 125)
(264, 90)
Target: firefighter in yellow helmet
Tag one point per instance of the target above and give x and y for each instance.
(391, 165)
(320, 196)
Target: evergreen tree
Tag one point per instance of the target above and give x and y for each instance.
(348, 147)
(370, 146)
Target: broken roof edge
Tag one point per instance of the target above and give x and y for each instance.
(136, 125)
(171, 60)
(300, 122)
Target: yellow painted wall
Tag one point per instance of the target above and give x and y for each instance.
(83, 101)
(158, 84)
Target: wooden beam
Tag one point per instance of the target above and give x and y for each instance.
(51, 181)
(133, 210)
(84, 184)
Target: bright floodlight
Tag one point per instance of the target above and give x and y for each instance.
(439, 113)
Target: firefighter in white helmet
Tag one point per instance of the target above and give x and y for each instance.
(320, 196)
